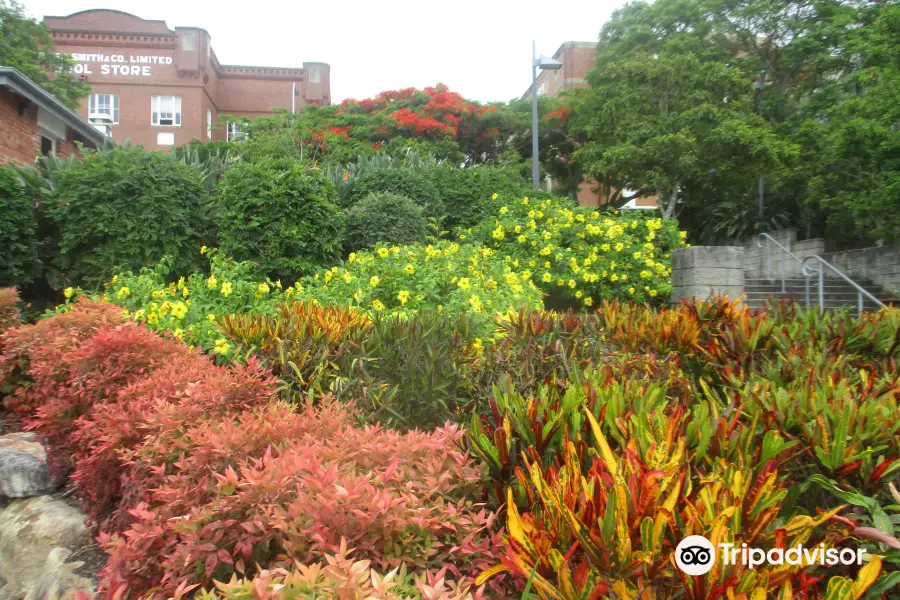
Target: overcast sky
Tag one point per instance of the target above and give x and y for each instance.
(481, 49)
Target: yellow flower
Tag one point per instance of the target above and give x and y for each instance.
(503, 210)
(374, 280)
(579, 294)
(179, 310)
(123, 292)
(347, 277)
(262, 289)
(178, 333)
(211, 318)
(153, 318)
(185, 292)
(619, 246)
(462, 236)
(572, 283)
(463, 283)
(645, 274)
(377, 305)
(494, 196)
(498, 234)
(682, 234)
(614, 277)
(352, 257)
(222, 347)
(547, 277)
(68, 292)
(212, 283)
(409, 269)
(226, 289)
(383, 252)
(403, 297)
(139, 314)
(588, 301)
(126, 313)
(278, 284)
(631, 290)
(475, 301)
(357, 295)
(180, 285)
(202, 249)
(653, 293)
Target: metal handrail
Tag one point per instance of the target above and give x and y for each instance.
(770, 240)
(808, 273)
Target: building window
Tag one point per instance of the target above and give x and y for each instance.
(233, 132)
(165, 110)
(105, 108)
(209, 123)
(165, 138)
(48, 146)
(314, 75)
(187, 41)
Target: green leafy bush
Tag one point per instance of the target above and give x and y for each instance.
(384, 218)
(413, 372)
(125, 208)
(280, 215)
(19, 263)
(412, 183)
(467, 193)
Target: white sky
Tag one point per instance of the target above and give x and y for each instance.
(481, 49)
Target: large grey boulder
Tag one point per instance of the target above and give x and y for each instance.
(24, 470)
(30, 530)
(59, 580)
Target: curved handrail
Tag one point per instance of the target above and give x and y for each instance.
(808, 272)
(769, 238)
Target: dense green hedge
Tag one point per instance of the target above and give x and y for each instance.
(388, 218)
(19, 262)
(125, 208)
(281, 215)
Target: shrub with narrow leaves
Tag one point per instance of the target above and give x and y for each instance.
(10, 316)
(269, 486)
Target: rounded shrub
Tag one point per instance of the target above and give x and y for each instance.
(388, 218)
(281, 215)
(415, 184)
(125, 208)
(19, 262)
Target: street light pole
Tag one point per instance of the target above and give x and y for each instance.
(535, 168)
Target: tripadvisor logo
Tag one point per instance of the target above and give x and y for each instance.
(695, 555)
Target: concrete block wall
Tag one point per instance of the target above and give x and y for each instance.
(705, 271)
(759, 265)
(880, 265)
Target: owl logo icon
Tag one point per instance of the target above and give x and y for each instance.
(695, 555)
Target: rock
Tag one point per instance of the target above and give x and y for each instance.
(59, 581)
(24, 470)
(29, 530)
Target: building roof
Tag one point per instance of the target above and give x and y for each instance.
(26, 88)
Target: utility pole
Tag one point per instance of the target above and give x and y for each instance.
(535, 167)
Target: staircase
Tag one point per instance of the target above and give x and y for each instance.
(811, 281)
(837, 293)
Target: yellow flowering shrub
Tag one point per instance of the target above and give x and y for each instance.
(189, 308)
(445, 276)
(579, 254)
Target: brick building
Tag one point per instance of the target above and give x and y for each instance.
(160, 87)
(577, 59)
(34, 122)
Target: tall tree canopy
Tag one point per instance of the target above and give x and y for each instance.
(675, 109)
(26, 45)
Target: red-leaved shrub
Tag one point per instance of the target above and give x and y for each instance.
(37, 358)
(271, 486)
(190, 386)
(9, 310)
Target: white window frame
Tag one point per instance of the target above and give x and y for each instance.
(111, 108)
(209, 123)
(165, 105)
(233, 132)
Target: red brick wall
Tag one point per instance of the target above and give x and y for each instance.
(20, 139)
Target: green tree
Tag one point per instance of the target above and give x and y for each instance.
(26, 45)
(662, 123)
